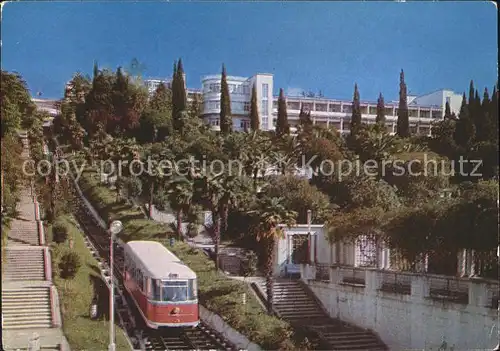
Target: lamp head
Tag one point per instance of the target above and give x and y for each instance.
(115, 227)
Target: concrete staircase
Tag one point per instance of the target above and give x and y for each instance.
(26, 308)
(24, 264)
(30, 313)
(296, 304)
(24, 231)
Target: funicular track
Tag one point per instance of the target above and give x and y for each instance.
(199, 338)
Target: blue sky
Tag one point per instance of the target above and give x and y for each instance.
(313, 46)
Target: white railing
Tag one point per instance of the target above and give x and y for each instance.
(468, 291)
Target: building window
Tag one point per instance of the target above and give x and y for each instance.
(265, 107)
(265, 122)
(334, 108)
(265, 90)
(321, 107)
(246, 106)
(244, 124)
(275, 104)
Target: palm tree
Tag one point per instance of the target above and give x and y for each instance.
(256, 146)
(155, 175)
(209, 192)
(180, 191)
(269, 214)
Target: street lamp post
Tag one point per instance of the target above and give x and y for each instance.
(114, 228)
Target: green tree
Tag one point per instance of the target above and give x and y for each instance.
(181, 193)
(447, 112)
(156, 119)
(374, 142)
(226, 121)
(300, 196)
(403, 124)
(99, 114)
(179, 96)
(270, 213)
(442, 140)
(196, 107)
(305, 120)
(465, 130)
(69, 265)
(282, 126)
(17, 107)
(380, 119)
(356, 111)
(59, 232)
(254, 110)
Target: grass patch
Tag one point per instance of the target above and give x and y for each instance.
(76, 296)
(218, 293)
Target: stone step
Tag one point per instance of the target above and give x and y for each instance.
(28, 324)
(25, 306)
(26, 302)
(20, 319)
(301, 308)
(27, 290)
(45, 308)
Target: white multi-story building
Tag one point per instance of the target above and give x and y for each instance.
(240, 91)
(423, 110)
(153, 83)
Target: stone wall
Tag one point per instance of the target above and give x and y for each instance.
(410, 310)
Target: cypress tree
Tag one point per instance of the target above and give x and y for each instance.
(179, 97)
(447, 111)
(403, 124)
(282, 127)
(483, 118)
(465, 129)
(305, 118)
(175, 92)
(226, 121)
(493, 116)
(356, 111)
(254, 110)
(471, 92)
(182, 87)
(380, 119)
(96, 70)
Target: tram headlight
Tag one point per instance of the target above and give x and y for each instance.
(176, 310)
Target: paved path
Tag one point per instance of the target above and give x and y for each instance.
(30, 312)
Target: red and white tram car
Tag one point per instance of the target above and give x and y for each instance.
(163, 288)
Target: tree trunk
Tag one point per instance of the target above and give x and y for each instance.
(179, 224)
(269, 274)
(216, 224)
(255, 173)
(150, 208)
(224, 215)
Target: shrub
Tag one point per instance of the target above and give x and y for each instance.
(59, 232)
(69, 265)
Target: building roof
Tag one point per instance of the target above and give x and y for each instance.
(157, 261)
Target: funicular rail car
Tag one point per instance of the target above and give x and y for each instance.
(163, 288)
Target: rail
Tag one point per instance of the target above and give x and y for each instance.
(396, 282)
(449, 289)
(139, 336)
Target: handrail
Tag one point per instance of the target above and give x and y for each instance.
(48, 264)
